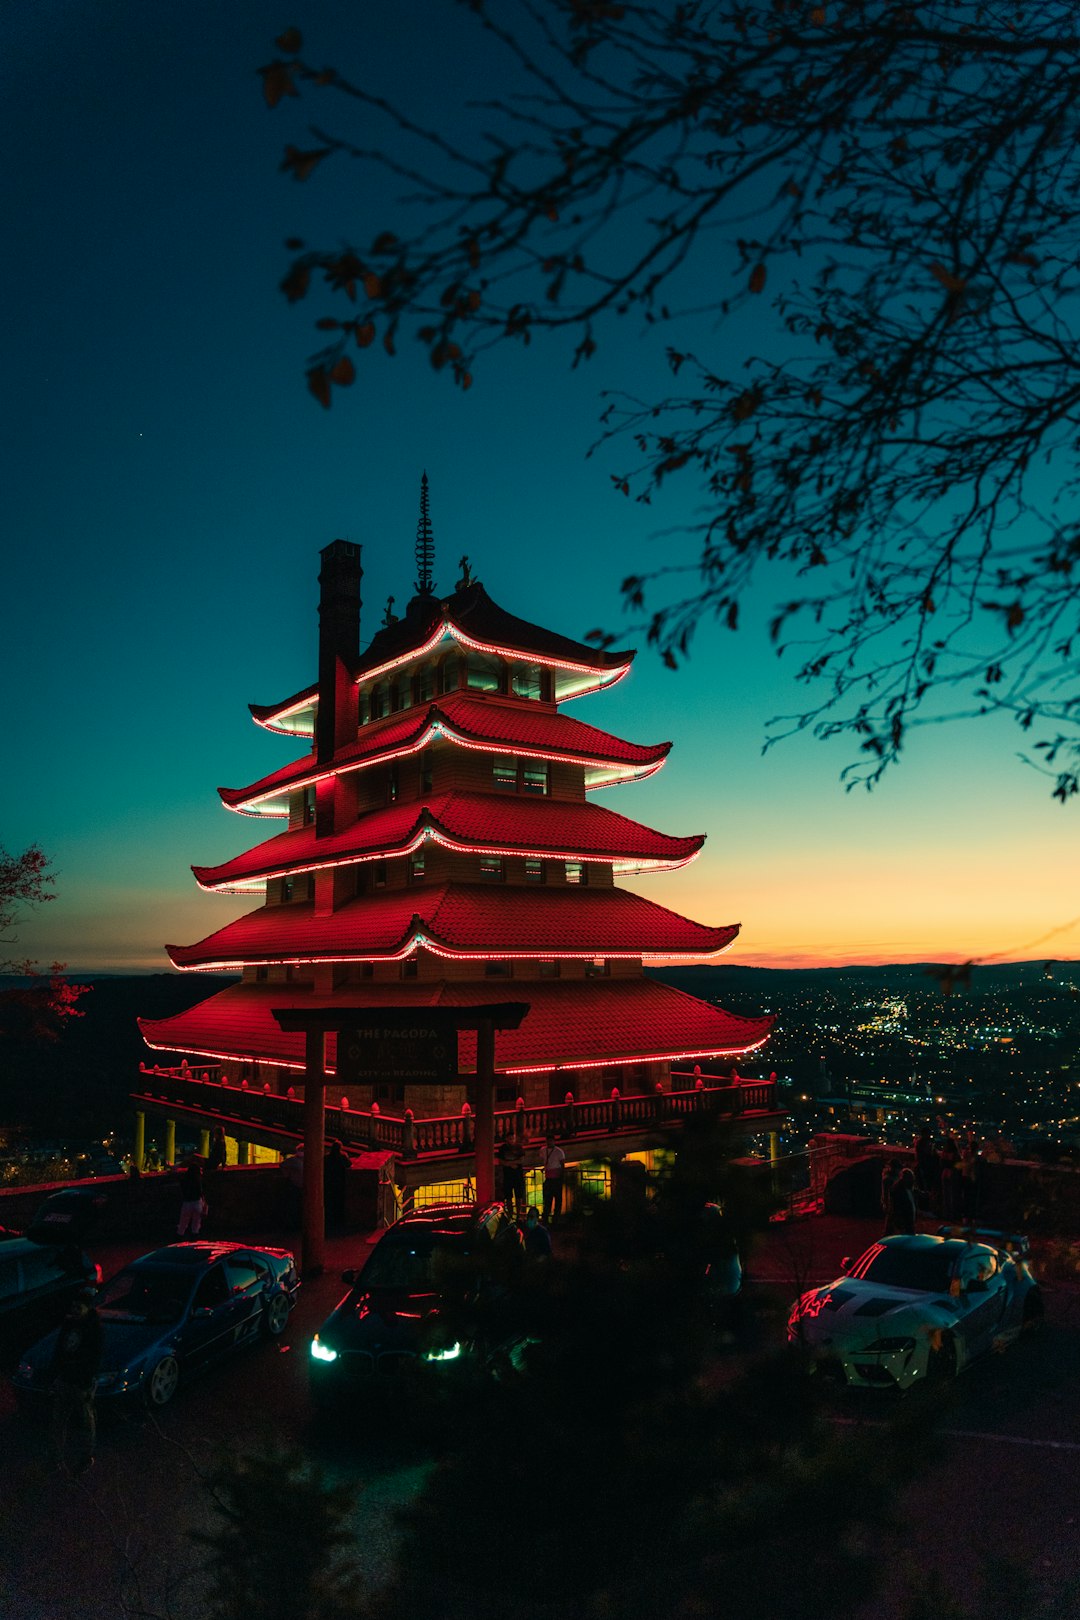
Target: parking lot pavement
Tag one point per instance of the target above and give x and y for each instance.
(1004, 1478)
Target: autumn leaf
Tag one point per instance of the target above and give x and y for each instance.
(757, 279)
(951, 283)
(365, 335)
(291, 41)
(466, 379)
(343, 372)
(303, 164)
(277, 82)
(319, 385)
(817, 16)
(295, 284)
(372, 284)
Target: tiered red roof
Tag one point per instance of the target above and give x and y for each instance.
(481, 823)
(472, 619)
(464, 920)
(534, 730)
(571, 1023)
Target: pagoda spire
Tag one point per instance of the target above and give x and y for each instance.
(425, 544)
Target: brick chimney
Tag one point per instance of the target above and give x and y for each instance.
(339, 646)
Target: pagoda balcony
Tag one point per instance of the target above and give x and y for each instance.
(594, 1127)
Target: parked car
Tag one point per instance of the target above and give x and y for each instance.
(174, 1312)
(38, 1281)
(915, 1306)
(431, 1309)
(70, 1214)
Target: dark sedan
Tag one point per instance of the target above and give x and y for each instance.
(172, 1313)
(432, 1308)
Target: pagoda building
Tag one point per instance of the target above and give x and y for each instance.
(441, 845)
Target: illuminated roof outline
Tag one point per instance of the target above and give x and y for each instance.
(468, 823)
(475, 623)
(466, 921)
(493, 725)
(572, 1024)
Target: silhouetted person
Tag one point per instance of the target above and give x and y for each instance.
(890, 1175)
(192, 1207)
(219, 1153)
(902, 1203)
(75, 1363)
(512, 1166)
(554, 1177)
(537, 1236)
(335, 1182)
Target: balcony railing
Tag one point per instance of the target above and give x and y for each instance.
(201, 1090)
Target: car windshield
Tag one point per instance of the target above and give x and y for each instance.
(145, 1294)
(409, 1267)
(924, 1270)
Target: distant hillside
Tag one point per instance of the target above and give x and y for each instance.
(78, 1085)
(716, 979)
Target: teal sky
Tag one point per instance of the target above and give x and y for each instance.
(170, 483)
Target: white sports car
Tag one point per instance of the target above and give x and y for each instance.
(914, 1306)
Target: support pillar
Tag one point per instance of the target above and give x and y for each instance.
(138, 1151)
(170, 1141)
(313, 1232)
(774, 1159)
(243, 1152)
(204, 1143)
(484, 1113)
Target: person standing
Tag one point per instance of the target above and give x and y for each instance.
(890, 1175)
(902, 1204)
(192, 1207)
(537, 1237)
(554, 1176)
(292, 1169)
(75, 1364)
(219, 1153)
(335, 1182)
(512, 1166)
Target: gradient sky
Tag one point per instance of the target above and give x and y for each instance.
(169, 484)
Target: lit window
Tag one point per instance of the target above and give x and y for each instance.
(401, 693)
(448, 675)
(380, 700)
(527, 681)
(425, 688)
(534, 870)
(504, 774)
(363, 707)
(549, 969)
(288, 888)
(309, 805)
(534, 779)
(491, 866)
(575, 871)
(416, 865)
(483, 674)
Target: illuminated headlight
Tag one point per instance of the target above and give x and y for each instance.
(887, 1347)
(322, 1352)
(120, 1378)
(449, 1353)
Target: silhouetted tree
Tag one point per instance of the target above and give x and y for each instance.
(40, 1007)
(900, 181)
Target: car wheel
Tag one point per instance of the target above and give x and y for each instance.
(1034, 1311)
(163, 1382)
(943, 1359)
(276, 1315)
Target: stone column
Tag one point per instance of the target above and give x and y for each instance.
(170, 1141)
(138, 1151)
(484, 1113)
(204, 1143)
(313, 1234)
(243, 1152)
